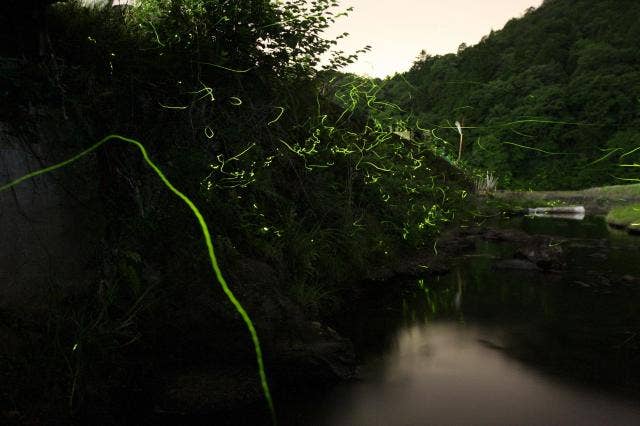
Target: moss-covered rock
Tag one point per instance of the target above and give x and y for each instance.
(627, 217)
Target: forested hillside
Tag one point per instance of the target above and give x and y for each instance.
(551, 101)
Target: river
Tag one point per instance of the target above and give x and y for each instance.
(486, 346)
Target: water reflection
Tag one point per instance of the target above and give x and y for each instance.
(457, 301)
(447, 373)
(504, 347)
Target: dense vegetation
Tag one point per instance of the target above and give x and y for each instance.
(293, 165)
(551, 101)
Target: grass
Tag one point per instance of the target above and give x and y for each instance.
(625, 217)
(616, 192)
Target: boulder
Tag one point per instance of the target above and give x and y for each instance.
(542, 252)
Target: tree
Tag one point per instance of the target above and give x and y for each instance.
(564, 62)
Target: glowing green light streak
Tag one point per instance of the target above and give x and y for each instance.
(467, 82)
(387, 104)
(611, 152)
(408, 84)
(237, 156)
(521, 134)
(537, 149)
(420, 128)
(480, 145)
(297, 152)
(444, 196)
(534, 120)
(238, 185)
(629, 153)
(512, 123)
(380, 139)
(275, 120)
(235, 101)
(205, 232)
(208, 92)
(628, 179)
(172, 107)
(342, 151)
(438, 138)
(382, 169)
(155, 32)
(223, 67)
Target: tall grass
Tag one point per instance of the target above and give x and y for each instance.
(487, 184)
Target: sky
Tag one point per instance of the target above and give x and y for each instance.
(397, 30)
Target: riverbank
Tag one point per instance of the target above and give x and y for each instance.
(538, 336)
(597, 201)
(619, 204)
(549, 301)
(215, 377)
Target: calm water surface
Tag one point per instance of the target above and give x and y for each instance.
(491, 347)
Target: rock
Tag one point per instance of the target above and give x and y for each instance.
(321, 357)
(629, 279)
(542, 252)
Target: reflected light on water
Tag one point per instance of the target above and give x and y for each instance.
(448, 373)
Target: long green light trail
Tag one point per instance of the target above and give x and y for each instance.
(205, 232)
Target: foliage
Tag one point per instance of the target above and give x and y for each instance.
(290, 163)
(551, 101)
(486, 184)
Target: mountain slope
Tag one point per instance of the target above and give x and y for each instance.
(550, 101)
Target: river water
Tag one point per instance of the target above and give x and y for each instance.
(481, 346)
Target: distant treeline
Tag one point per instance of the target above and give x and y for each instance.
(550, 101)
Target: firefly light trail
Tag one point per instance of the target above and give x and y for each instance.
(205, 232)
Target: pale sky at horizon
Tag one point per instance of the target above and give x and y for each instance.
(397, 30)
